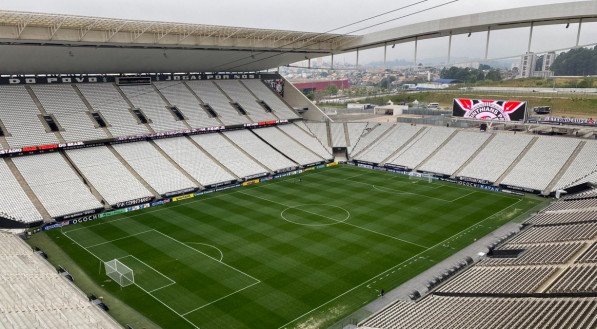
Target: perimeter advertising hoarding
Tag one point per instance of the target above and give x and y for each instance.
(497, 110)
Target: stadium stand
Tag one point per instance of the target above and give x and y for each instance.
(13, 200)
(179, 95)
(24, 127)
(582, 169)
(489, 167)
(229, 155)
(108, 175)
(264, 93)
(389, 143)
(307, 140)
(422, 147)
(200, 166)
(546, 253)
(320, 131)
(56, 184)
(34, 296)
(455, 153)
(107, 100)
(542, 163)
(237, 92)
(156, 170)
(259, 150)
(371, 133)
(70, 112)
(355, 131)
(210, 94)
(290, 147)
(338, 135)
(146, 98)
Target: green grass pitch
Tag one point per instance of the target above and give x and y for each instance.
(288, 253)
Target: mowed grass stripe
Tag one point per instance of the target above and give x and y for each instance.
(312, 275)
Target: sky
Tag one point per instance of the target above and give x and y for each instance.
(315, 16)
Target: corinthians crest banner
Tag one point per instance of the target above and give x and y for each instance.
(489, 109)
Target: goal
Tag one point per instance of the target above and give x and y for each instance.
(120, 273)
(421, 178)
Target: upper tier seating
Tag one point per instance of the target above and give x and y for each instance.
(21, 117)
(582, 169)
(259, 150)
(13, 200)
(455, 153)
(190, 158)
(34, 296)
(209, 93)
(421, 147)
(307, 140)
(229, 155)
(319, 130)
(72, 115)
(355, 131)
(496, 157)
(264, 93)
(153, 106)
(238, 93)
(156, 170)
(56, 184)
(105, 98)
(177, 93)
(291, 148)
(338, 135)
(541, 163)
(389, 143)
(370, 134)
(107, 174)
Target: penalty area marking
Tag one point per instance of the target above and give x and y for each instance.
(209, 245)
(335, 221)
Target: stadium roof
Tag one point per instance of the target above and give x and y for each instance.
(191, 47)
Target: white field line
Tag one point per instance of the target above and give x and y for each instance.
(219, 299)
(142, 262)
(340, 222)
(464, 196)
(229, 266)
(395, 266)
(394, 191)
(168, 285)
(126, 237)
(147, 292)
(209, 245)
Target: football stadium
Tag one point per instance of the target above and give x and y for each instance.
(168, 175)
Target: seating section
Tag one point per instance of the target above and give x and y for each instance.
(56, 184)
(34, 296)
(264, 93)
(548, 253)
(21, 118)
(190, 158)
(153, 106)
(107, 174)
(338, 134)
(156, 170)
(480, 312)
(13, 200)
(590, 256)
(541, 234)
(229, 155)
(370, 134)
(259, 150)
(541, 163)
(577, 279)
(574, 206)
(209, 93)
(105, 99)
(291, 148)
(306, 139)
(238, 93)
(389, 143)
(69, 110)
(582, 169)
(320, 131)
(177, 93)
(496, 157)
(421, 147)
(455, 153)
(555, 217)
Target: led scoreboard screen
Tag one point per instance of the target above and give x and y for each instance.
(489, 109)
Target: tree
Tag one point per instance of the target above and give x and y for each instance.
(331, 90)
(578, 61)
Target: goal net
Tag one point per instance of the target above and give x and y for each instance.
(120, 273)
(421, 177)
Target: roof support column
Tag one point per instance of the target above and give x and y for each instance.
(357, 58)
(385, 54)
(416, 49)
(487, 42)
(332, 61)
(449, 48)
(578, 33)
(530, 38)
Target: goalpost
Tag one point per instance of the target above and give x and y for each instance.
(421, 177)
(120, 273)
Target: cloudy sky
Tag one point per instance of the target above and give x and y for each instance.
(320, 16)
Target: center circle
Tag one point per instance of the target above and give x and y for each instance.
(315, 214)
